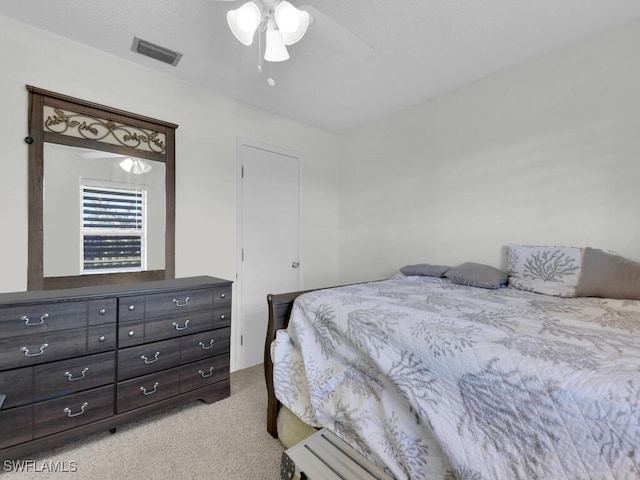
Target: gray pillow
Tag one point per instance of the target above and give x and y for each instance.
(608, 276)
(477, 275)
(425, 270)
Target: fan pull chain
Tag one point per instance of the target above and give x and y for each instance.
(270, 79)
(259, 52)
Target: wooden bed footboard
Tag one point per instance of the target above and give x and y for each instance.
(279, 311)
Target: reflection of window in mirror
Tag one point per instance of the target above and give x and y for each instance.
(113, 228)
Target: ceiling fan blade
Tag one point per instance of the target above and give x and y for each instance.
(334, 35)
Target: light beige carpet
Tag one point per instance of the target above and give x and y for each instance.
(225, 440)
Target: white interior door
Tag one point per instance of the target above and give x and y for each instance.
(269, 241)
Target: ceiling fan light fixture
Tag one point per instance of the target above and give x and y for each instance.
(244, 22)
(293, 23)
(135, 166)
(275, 50)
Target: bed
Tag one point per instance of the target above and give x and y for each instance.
(442, 377)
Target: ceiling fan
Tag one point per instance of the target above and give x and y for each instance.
(133, 165)
(282, 24)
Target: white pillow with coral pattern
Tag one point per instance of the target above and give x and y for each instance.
(550, 270)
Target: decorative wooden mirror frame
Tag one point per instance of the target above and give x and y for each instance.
(88, 125)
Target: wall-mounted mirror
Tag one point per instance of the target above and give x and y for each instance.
(101, 194)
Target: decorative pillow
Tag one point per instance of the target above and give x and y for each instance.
(477, 275)
(545, 269)
(425, 270)
(609, 276)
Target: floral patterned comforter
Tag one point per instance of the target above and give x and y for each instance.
(435, 380)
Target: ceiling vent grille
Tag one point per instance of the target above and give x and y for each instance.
(155, 51)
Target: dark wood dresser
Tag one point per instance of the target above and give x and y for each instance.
(82, 360)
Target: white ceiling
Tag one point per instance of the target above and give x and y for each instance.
(418, 48)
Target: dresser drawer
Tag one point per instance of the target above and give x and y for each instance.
(222, 296)
(102, 311)
(152, 357)
(179, 303)
(131, 333)
(101, 339)
(42, 318)
(222, 317)
(203, 373)
(136, 333)
(161, 304)
(72, 411)
(178, 325)
(204, 345)
(152, 388)
(131, 308)
(70, 376)
(34, 349)
(16, 426)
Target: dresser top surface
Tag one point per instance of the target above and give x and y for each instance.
(124, 289)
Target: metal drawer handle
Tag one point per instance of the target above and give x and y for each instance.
(82, 374)
(178, 304)
(102, 311)
(69, 414)
(27, 354)
(222, 317)
(178, 327)
(27, 320)
(146, 359)
(205, 375)
(150, 392)
(205, 347)
(223, 295)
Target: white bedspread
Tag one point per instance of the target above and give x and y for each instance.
(431, 380)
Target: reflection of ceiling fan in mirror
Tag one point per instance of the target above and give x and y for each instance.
(281, 23)
(133, 165)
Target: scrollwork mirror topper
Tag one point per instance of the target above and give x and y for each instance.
(92, 128)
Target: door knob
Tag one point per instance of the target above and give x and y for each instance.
(295, 265)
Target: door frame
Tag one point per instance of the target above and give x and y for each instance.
(236, 327)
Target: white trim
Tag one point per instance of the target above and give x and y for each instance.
(240, 142)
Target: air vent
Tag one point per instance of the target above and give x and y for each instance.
(155, 51)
